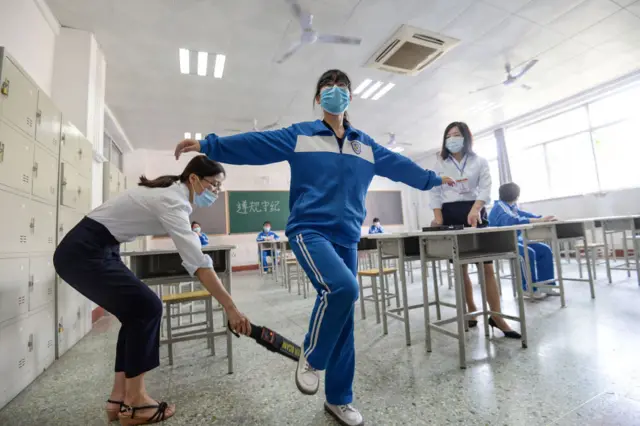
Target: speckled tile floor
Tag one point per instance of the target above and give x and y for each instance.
(580, 369)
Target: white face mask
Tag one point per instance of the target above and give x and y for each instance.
(376, 224)
(454, 144)
(266, 229)
(196, 229)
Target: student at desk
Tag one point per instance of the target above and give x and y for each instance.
(376, 228)
(505, 212)
(88, 259)
(204, 240)
(266, 235)
(463, 204)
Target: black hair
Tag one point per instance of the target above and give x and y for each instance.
(466, 134)
(194, 223)
(375, 219)
(509, 192)
(333, 77)
(200, 166)
(267, 222)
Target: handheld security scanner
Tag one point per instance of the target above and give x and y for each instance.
(273, 341)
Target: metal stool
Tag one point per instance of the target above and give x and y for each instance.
(375, 291)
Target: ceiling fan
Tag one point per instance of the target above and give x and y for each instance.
(255, 127)
(511, 78)
(310, 35)
(394, 145)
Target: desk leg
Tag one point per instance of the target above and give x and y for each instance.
(424, 267)
(555, 246)
(635, 239)
(523, 320)
(606, 253)
(625, 249)
(227, 284)
(483, 292)
(588, 260)
(260, 260)
(449, 275)
(405, 297)
(385, 330)
(436, 291)
(527, 269)
(459, 289)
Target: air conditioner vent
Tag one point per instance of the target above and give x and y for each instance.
(410, 50)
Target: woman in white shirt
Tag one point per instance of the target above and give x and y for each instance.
(463, 204)
(88, 259)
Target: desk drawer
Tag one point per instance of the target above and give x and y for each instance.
(411, 247)
(170, 264)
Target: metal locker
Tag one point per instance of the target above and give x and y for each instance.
(67, 219)
(42, 278)
(43, 227)
(43, 325)
(16, 368)
(45, 175)
(84, 160)
(69, 144)
(14, 287)
(84, 194)
(16, 232)
(48, 124)
(16, 158)
(18, 97)
(68, 185)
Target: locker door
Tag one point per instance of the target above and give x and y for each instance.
(69, 144)
(48, 124)
(43, 326)
(18, 98)
(43, 218)
(16, 368)
(16, 231)
(67, 219)
(14, 286)
(45, 175)
(16, 158)
(69, 185)
(85, 157)
(84, 194)
(41, 281)
(67, 316)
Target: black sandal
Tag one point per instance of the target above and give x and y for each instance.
(112, 414)
(127, 414)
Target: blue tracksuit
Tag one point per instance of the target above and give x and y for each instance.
(261, 237)
(376, 230)
(329, 182)
(204, 240)
(540, 255)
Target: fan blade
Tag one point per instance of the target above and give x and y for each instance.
(296, 9)
(233, 130)
(485, 88)
(402, 143)
(525, 86)
(338, 39)
(507, 68)
(304, 18)
(270, 126)
(526, 68)
(290, 52)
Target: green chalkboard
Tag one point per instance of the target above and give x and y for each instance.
(248, 210)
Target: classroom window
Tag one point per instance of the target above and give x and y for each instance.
(617, 149)
(495, 179)
(621, 106)
(529, 171)
(488, 149)
(572, 168)
(558, 126)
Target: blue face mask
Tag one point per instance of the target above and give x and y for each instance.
(334, 100)
(205, 199)
(455, 144)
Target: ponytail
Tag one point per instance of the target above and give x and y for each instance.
(159, 182)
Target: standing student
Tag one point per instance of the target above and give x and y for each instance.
(376, 228)
(204, 240)
(88, 259)
(332, 164)
(267, 235)
(463, 204)
(505, 212)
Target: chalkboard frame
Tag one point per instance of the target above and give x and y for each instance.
(275, 229)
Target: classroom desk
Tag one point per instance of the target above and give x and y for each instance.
(622, 224)
(462, 247)
(164, 267)
(271, 246)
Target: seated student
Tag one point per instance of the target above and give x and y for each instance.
(195, 227)
(505, 212)
(376, 228)
(266, 235)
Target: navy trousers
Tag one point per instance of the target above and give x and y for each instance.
(88, 259)
(329, 343)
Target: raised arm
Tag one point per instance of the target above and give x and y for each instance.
(252, 148)
(435, 197)
(505, 216)
(401, 169)
(529, 215)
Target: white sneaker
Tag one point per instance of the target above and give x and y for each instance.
(346, 415)
(538, 295)
(307, 377)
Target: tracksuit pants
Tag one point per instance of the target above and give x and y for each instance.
(540, 263)
(329, 343)
(88, 259)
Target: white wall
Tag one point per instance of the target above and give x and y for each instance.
(28, 30)
(271, 177)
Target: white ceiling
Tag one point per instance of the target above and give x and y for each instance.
(579, 44)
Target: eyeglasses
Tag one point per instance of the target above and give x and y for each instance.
(217, 185)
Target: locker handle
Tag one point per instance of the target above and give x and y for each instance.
(64, 182)
(30, 344)
(32, 224)
(39, 116)
(1, 152)
(35, 169)
(31, 282)
(61, 229)
(4, 89)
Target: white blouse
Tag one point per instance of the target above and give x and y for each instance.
(473, 181)
(143, 211)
